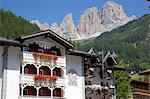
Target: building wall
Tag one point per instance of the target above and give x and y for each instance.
(96, 80)
(75, 87)
(1, 67)
(13, 72)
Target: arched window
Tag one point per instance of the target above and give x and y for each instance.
(57, 72)
(44, 70)
(58, 92)
(44, 91)
(30, 90)
(30, 69)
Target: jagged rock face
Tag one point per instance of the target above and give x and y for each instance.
(54, 27)
(43, 26)
(89, 22)
(68, 28)
(113, 15)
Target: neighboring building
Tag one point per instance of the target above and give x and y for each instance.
(43, 65)
(99, 80)
(141, 88)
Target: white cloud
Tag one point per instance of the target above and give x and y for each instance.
(43, 26)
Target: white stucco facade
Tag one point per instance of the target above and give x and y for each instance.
(75, 91)
(1, 68)
(13, 66)
(13, 72)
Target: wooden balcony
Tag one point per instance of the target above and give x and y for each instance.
(30, 79)
(33, 57)
(140, 91)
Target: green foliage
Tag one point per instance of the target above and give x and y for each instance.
(78, 45)
(123, 84)
(139, 77)
(14, 26)
(130, 42)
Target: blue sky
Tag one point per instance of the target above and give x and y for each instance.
(54, 10)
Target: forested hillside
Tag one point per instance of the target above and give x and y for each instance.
(14, 26)
(131, 43)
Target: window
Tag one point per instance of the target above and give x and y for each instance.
(25, 91)
(44, 91)
(41, 71)
(30, 69)
(57, 92)
(41, 92)
(26, 70)
(101, 73)
(57, 72)
(30, 90)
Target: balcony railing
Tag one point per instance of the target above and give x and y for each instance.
(93, 87)
(40, 97)
(27, 78)
(112, 86)
(142, 90)
(34, 57)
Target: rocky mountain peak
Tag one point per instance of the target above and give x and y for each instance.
(113, 15)
(92, 22)
(68, 28)
(113, 12)
(89, 22)
(54, 27)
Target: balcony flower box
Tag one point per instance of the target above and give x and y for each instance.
(44, 56)
(44, 77)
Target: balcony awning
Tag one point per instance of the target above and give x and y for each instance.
(80, 53)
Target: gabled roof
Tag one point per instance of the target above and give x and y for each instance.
(91, 51)
(80, 53)
(108, 55)
(11, 42)
(50, 34)
(119, 67)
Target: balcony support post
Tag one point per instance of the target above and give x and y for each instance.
(22, 69)
(51, 71)
(22, 90)
(37, 91)
(37, 70)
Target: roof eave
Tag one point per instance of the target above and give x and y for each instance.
(52, 34)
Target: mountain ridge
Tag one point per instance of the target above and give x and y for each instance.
(131, 42)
